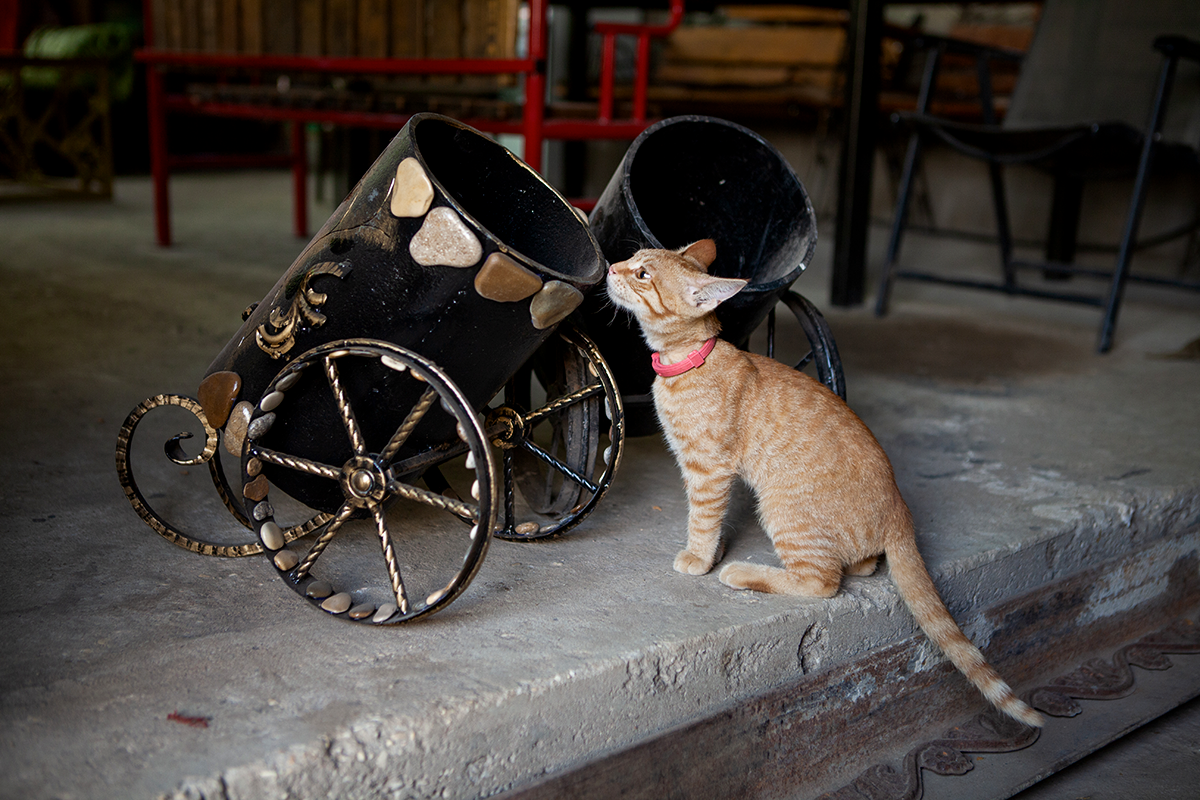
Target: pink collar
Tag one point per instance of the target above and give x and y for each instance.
(693, 360)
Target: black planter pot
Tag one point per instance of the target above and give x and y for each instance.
(688, 178)
(450, 247)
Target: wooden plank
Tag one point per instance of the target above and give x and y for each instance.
(229, 26)
(311, 28)
(490, 30)
(161, 13)
(209, 26)
(797, 14)
(443, 34)
(408, 28)
(252, 31)
(757, 45)
(373, 28)
(279, 27)
(340, 27)
(443, 28)
(189, 25)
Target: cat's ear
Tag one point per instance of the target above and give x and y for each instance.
(706, 292)
(704, 251)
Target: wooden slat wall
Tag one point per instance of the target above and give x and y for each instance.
(369, 28)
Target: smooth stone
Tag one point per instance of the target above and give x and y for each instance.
(392, 363)
(553, 304)
(474, 532)
(338, 603)
(412, 191)
(446, 240)
(271, 401)
(462, 432)
(504, 280)
(256, 489)
(235, 428)
(286, 559)
(470, 461)
(475, 490)
(526, 528)
(288, 381)
(261, 425)
(271, 535)
(253, 467)
(262, 511)
(385, 612)
(319, 589)
(217, 394)
(362, 611)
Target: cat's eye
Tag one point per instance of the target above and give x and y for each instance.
(642, 275)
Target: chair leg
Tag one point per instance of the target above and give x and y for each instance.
(1003, 231)
(299, 180)
(159, 168)
(1062, 237)
(899, 220)
(1133, 220)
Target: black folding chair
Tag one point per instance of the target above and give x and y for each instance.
(1099, 147)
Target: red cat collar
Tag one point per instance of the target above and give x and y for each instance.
(693, 360)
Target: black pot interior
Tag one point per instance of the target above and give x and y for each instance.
(702, 179)
(508, 199)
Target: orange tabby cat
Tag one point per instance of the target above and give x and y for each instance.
(826, 493)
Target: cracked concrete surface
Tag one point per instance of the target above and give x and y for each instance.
(1024, 456)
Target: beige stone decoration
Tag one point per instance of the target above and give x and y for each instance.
(446, 240)
(504, 280)
(553, 303)
(412, 191)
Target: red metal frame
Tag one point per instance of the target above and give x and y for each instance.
(533, 126)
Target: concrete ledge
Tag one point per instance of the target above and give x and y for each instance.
(1051, 467)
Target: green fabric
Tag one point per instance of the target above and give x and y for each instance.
(112, 41)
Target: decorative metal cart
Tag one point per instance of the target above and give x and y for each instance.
(693, 177)
(356, 393)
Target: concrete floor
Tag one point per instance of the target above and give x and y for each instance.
(1022, 453)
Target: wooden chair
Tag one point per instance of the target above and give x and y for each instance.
(251, 54)
(1071, 115)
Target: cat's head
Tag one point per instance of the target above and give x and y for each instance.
(664, 288)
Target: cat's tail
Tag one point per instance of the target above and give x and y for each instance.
(912, 579)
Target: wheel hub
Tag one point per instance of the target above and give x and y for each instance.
(507, 427)
(364, 482)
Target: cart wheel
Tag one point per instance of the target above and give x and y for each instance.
(209, 455)
(561, 455)
(822, 355)
(432, 542)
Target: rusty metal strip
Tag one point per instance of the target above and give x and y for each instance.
(993, 732)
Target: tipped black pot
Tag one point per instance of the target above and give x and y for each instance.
(688, 178)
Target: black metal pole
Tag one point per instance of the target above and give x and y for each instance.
(858, 152)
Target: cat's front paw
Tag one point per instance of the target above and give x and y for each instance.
(689, 563)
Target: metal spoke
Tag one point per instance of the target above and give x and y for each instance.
(389, 556)
(560, 466)
(591, 390)
(450, 504)
(299, 464)
(804, 362)
(323, 541)
(344, 409)
(410, 422)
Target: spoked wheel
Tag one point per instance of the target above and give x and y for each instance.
(431, 539)
(821, 361)
(210, 455)
(560, 430)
